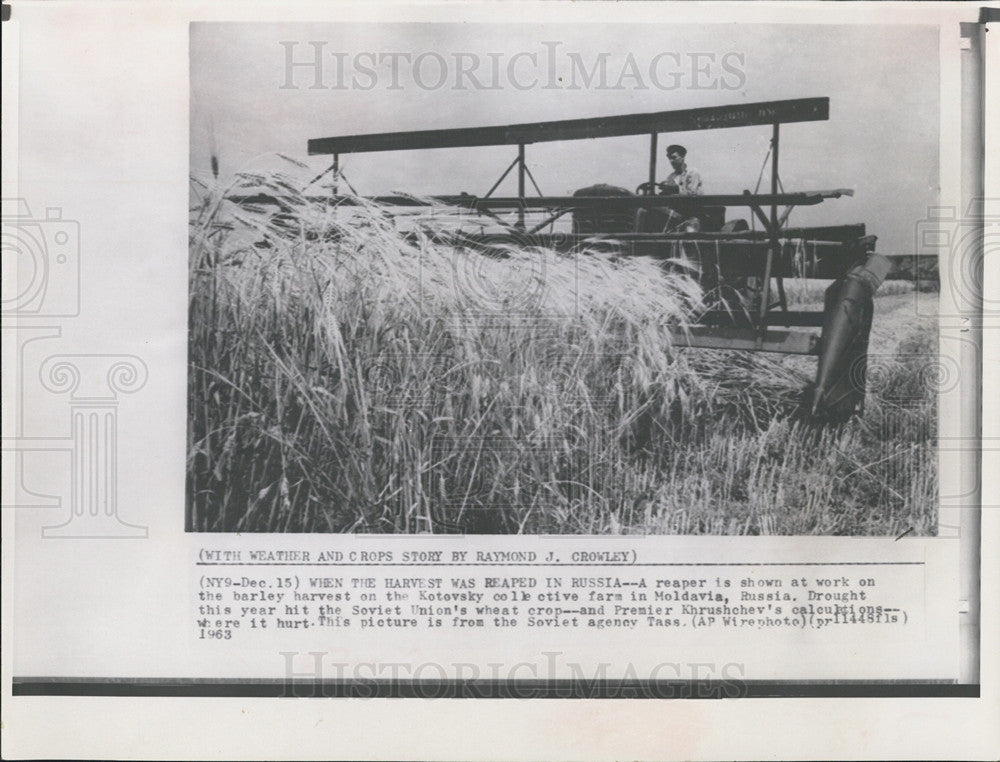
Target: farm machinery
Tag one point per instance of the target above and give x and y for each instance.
(742, 265)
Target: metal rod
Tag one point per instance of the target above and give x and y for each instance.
(782, 297)
(785, 342)
(520, 183)
(348, 184)
(772, 250)
(797, 318)
(755, 208)
(550, 220)
(320, 175)
(652, 158)
(497, 183)
(498, 218)
(774, 175)
(531, 177)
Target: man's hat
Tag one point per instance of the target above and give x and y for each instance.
(676, 149)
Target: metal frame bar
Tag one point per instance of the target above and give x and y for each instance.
(520, 183)
(789, 319)
(523, 172)
(652, 158)
(550, 220)
(531, 177)
(772, 250)
(467, 201)
(713, 117)
(775, 340)
(320, 175)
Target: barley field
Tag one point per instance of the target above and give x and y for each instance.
(349, 373)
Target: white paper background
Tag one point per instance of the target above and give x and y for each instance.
(103, 133)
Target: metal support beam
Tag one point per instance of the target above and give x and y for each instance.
(336, 172)
(736, 115)
(681, 203)
(782, 341)
(773, 249)
(755, 208)
(652, 158)
(531, 177)
(520, 183)
(782, 296)
(497, 183)
(790, 319)
(550, 220)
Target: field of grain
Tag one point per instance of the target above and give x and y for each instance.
(347, 375)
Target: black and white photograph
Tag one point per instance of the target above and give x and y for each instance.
(564, 279)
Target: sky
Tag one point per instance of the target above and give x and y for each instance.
(882, 138)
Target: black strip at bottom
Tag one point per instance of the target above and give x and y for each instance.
(491, 689)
